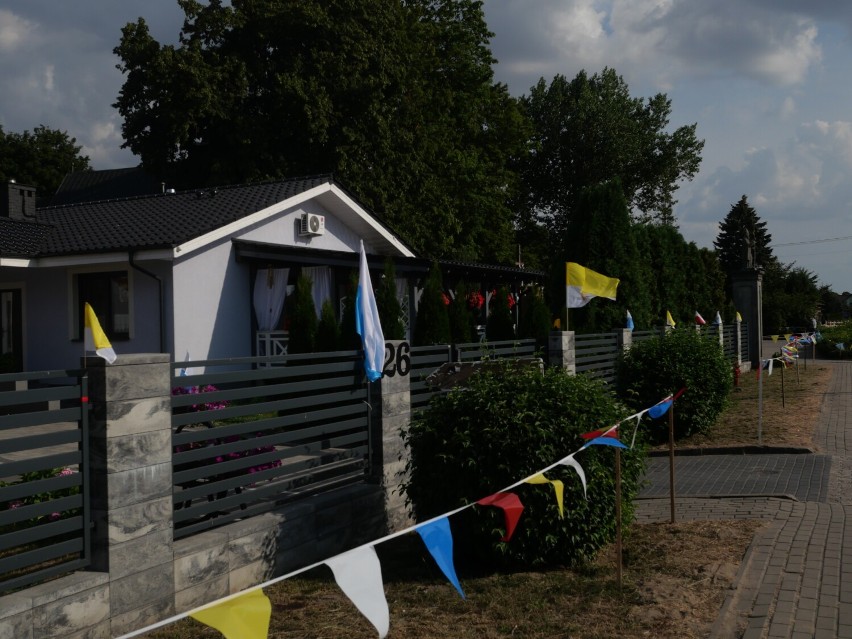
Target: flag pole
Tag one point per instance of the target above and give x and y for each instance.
(783, 366)
(760, 403)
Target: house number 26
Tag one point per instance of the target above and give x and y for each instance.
(397, 359)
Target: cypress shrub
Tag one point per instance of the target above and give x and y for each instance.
(460, 316)
(534, 317)
(328, 330)
(303, 318)
(501, 323)
(387, 304)
(433, 323)
(507, 425)
(660, 366)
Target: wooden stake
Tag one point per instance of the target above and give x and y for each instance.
(671, 462)
(783, 366)
(618, 513)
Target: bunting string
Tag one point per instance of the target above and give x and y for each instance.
(433, 531)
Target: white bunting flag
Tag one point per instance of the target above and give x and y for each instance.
(358, 573)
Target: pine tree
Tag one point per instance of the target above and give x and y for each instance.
(328, 330)
(739, 226)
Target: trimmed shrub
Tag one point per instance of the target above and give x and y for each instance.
(388, 306)
(501, 323)
(831, 337)
(303, 318)
(328, 331)
(461, 316)
(682, 358)
(433, 323)
(534, 317)
(507, 425)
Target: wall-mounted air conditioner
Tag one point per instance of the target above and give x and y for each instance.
(312, 224)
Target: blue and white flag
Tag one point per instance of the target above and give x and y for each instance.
(629, 321)
(367, 322)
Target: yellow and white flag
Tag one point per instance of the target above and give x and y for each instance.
(669, 320)
(96, 340)
(582, 284)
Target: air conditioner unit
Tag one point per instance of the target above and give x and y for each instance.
(312, 224)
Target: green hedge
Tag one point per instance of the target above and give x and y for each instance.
(682, 358)
(506, 425)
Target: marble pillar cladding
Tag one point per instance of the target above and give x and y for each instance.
(561, 350)
(391, 412)
(132, 482)
(624, 337)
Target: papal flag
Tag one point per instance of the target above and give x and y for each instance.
(95, 339)
(367, 322)
(582, 284)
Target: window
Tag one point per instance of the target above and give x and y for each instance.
(108, 293)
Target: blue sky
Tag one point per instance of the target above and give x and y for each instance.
(767, 81)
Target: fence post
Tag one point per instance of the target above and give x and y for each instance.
(391, 412)
(562, 350)
(738, 340)
(131, 466)
(624, 336)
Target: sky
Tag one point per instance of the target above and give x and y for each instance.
(766, 81)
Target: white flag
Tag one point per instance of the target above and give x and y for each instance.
(367, 322)
(359, 575)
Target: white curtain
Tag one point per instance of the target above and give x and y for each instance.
(321, 277)
(270, 289)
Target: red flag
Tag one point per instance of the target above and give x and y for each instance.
(601, 432)
(512, 509)
(699, 319)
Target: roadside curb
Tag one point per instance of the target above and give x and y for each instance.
(735, 450)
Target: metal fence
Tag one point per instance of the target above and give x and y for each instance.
(425, 360)
(247, 438)
(744, 342)
(476, 351)
(596, 354)
(45, 527)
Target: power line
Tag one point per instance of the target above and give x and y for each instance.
(827, 239)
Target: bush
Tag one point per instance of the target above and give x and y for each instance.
(682, 358)
(303, 318)
(388, 306)
(505, 426)
(534, 317)
(328, 331)
(501, 323)
(461, 316)
(831, 337)
(433, 323)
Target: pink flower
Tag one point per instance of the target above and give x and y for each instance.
(54, 516)
(65, 472)
(15, 504)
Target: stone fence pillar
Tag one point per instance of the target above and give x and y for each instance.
(391, 412)
(624, 337)
(561, 350)
(131, 466)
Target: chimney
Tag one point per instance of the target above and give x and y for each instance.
(19, 202)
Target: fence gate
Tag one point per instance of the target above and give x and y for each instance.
(45, 524)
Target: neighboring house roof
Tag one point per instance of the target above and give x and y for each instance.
(20, 238)
(188, 218)
(110, 184)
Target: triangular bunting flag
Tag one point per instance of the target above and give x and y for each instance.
(606, 441)
(669, 319)
(511, 506)
(601, 432)
(630, 324)
(558, 488)
(658, 410)
(439, 541)
(243, 617)
(573, 463)
(699, 320)
(358, 573)
(774, 338)
(718, 320)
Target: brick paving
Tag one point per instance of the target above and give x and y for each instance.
(795, 580)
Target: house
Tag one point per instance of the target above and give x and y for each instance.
(199, 274)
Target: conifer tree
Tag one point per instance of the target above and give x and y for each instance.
(501, 324)
(328, 330)
(303, 318)
(388, 306)
(740, 225)
(433, 324)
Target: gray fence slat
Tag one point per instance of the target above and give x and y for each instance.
(36, 395)
(38, 418)
(34, 442)
(19, 491)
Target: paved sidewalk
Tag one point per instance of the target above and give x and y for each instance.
(795, 580)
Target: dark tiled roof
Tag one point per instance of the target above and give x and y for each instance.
(19, 238)
(88, 186)
(157, 221)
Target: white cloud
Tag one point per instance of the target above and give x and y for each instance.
(14, 31)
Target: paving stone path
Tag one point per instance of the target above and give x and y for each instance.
(795, 580)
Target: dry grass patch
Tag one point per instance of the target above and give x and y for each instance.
(674, 582)
(791, 423)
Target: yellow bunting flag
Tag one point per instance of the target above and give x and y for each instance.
(558, 488)
(774, 338)
(669, 320)
(95, 339)
(739, 317)
(243, 617)
(787, 336)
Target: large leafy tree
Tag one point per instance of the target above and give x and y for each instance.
(41, 158)
(742, 227)
(396, 98)
(590, 130)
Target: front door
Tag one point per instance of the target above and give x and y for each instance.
(11, 335)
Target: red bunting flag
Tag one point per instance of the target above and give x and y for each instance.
(601, 432)
(698, 319)
(512, 509)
